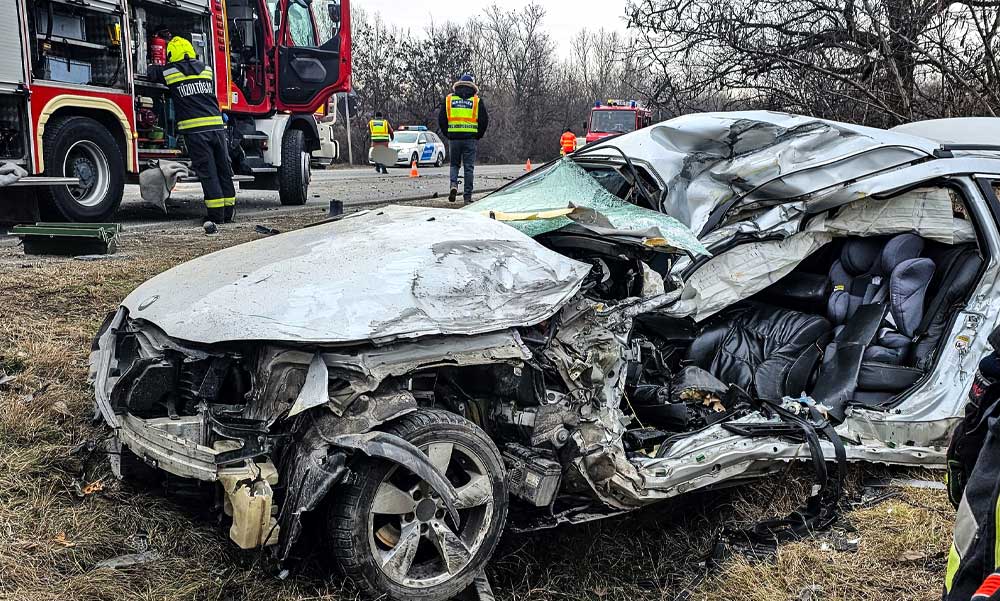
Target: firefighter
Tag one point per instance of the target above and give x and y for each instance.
(463, 120)
(200, 121)
(381, 136)
(567, 143)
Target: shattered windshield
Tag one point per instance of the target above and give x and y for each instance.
(564, 193)
(612, 121)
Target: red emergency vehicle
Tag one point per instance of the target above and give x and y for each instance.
(616, 117)
(75, 99)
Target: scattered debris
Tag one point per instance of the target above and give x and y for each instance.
(89, 489)
(912, 556)
(870, 497)
(210, 227)
(132, 559)
(60, 539)
(5, 379)
(28, 398)
(62, 409)
(907, 483)
(267, 231)
(813, 592)
(99, 257)
(336, 208)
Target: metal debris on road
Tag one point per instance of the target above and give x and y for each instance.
(132, 559)
(267, 231)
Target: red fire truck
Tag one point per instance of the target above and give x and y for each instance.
(616, 117)
(75, 99)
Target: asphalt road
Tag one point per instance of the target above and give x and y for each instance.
(353, 187)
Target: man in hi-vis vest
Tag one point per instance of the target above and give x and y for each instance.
(381, 133)
(463, 120)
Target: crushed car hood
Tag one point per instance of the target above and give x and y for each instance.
(382, 274)
(713, 162)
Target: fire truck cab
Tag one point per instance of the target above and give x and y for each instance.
(616, 117)
(77, 98)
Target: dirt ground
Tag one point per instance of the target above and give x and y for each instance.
(61, 513)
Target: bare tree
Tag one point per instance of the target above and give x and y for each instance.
(879, 62)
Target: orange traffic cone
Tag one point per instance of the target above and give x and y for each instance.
(527, 166)
(413, 170)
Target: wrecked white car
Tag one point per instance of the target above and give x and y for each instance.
(693, 304)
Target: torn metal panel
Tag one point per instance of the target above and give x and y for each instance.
(314, 391)
(368, 368)
(314, 463)
(176, 446)
(282, 372)
(398, 272)
(397, 450)
(714, 160)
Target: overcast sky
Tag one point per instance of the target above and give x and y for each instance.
(563, 18)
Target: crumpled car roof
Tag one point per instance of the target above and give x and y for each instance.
(713, 160)
(393, 272)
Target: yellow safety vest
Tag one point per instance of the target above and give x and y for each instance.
(379, 129)
(463, 114)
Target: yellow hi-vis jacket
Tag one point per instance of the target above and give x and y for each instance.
(379, 129)
(462, 113)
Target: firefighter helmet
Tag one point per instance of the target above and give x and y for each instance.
(178, 49)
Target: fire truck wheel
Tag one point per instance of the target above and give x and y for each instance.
(83, 148)
(294, 173)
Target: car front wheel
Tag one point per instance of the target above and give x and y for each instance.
(391, 532)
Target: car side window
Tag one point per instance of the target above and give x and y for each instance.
(434, 139)
(422, 139)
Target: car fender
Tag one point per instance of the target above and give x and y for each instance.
(401, 452)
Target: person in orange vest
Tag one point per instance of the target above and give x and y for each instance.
(382, 134)
(567, 142)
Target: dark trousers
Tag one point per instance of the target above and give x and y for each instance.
(209, 152)
(463, 154)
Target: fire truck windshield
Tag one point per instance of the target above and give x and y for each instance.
(612, 121)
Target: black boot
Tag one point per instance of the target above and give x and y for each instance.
(230, 214)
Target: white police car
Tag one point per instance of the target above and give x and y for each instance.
(416, 143)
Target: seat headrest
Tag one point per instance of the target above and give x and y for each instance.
(861, 256)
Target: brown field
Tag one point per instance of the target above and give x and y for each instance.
(52, 534)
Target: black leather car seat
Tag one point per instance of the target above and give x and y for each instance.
(768, 351)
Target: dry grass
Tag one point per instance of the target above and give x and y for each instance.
(51, 539)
